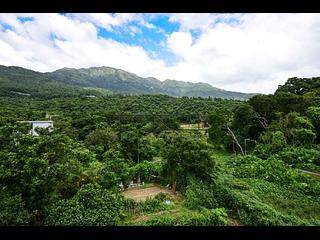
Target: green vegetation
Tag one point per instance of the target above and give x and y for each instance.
(244, 169)
(100, 81)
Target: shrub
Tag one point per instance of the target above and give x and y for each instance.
(13, 211)
(199, 195)
(295, 155)
(92, 206)
(272, 169)
(153, 205)
(212, 217)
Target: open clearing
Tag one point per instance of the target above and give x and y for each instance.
(141, 194)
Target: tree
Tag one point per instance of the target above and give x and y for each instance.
(13, 210)
(313, 114)
(264, 105)
(247, 123)
(92, 206)
(100, 140)
(186, 155)
(300, 130)
(287, 102)
(220, 132)
(116, 168)
(300, 86)
(149, 147)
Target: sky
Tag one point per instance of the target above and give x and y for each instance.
(252, 53)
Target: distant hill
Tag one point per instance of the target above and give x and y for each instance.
(20, 81)
(120, 81)
(96, 81)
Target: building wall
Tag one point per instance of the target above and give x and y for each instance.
(40, 125)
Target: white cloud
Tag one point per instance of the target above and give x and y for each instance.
(239, 52)
(105, 20)
(77, 46)
(255, 55)
(180, 43)
(202, 21)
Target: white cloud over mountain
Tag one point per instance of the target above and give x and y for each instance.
(240, 52)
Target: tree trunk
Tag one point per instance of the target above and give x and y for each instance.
(139, 180)
(174, 185)
(235, 139)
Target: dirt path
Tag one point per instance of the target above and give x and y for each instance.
(310, 173)
(142, 193)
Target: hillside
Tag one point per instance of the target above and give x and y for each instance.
(100, 81)
(120, 81)
(16, 81)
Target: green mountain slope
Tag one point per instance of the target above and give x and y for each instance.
(16, 81)
(99, 81)
(120, 81)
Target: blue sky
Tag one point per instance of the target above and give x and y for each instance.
(238, 52)
(152, 40)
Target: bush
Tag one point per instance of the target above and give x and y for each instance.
(212, 217)
(302, 136)
(153, 205)
(92, 206)
(272, 169)
(250, 209)
(13, 211)
(199, 195)
(295, 155)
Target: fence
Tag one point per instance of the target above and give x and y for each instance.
(133, 208)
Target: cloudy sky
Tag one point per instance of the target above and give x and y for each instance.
(238, 52)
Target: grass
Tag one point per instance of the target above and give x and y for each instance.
(280, 198)
(284, 200)
(222, 157)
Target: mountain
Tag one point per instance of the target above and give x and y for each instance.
(96, 81)
(116, 80)
(20, 81)
(119, 81)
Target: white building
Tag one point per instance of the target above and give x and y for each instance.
(40, 124)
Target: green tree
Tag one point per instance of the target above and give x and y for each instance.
(220, 132)
(186, 155)
(100, 140)
(313, 114)
(13, 210)
(91, 206)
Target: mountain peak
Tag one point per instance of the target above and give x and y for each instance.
(108, 79)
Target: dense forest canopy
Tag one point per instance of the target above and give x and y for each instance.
(236, 163)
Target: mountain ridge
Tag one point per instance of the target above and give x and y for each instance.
(112, 78)
(105, 79)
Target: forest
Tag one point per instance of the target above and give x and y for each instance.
(254, 162)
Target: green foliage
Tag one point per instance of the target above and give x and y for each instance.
(264, 105)
(187, 154)
(91, 206)
(199, 195)
(147, 170)
(71, 176)
(116, 168)
(247, 122)
(101, 139)
(212, 217)
(300, 86)
(219, 118)
(313, 114)
(13, 211)
(151, 205)
(272, 170)
(287, 102)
